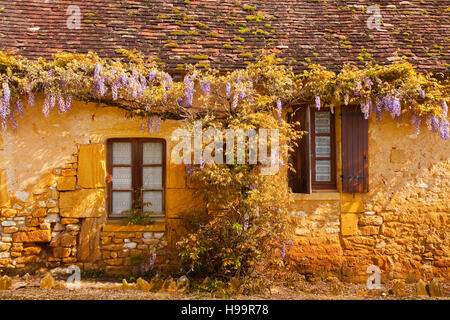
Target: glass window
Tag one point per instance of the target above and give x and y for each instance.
(136, 174)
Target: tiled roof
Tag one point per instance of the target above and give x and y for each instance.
(227, 33)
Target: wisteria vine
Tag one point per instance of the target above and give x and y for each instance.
(140, 87)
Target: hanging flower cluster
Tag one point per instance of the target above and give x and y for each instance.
(396, 89)
(138, 86)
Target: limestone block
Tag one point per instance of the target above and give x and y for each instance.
(5, 283)
(89, 243)
(4, 196)
(86, 203)
(67, 240)
(435, 288)
(91, 166)
(349, 224)
(32, 250)
(370, 220)
(352, 206)
(142, 285)
(66, 183)
(47, 282)
(60, 252)
(32, 236)
(421, 288)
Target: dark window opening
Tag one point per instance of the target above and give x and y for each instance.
(136, 172)
(314, 159)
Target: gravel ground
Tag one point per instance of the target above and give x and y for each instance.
(101, 290)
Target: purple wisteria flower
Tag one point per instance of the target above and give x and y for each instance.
(142, 126)
(167, 81)
(13, 120)
(279, 109)
(188, 169)
(6, 94)
(444, 108)
(46, 106)
(206, 88)
(250, 90)
(99, 82)
(235, 100)
(202, 164)
(114, 88)
(379, 110)
(124, 79)
(68, 102)
(283, 251)
(158, 124)
(61, 102)
(245, 222)
(366, 107)
(228, 90)
(422, 93)
(150, 125)
(444, 128)
(317, 102)
(416, 124)
(396, 108)
(151, 76)
(291, 243)
(368, 82)
(152, 260)
(388, 103)
(30, 95)
(435, 125)
(240, 91)
(189, 91)
(19, 106)
(143, 83)
(97, 70)
(52, 101)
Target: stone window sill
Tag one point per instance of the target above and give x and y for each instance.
(117, 227)
(319, 196)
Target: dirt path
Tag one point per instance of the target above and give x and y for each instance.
(97, 290)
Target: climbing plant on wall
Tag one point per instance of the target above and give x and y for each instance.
(244, 226)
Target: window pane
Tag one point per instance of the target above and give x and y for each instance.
(152, 177)
(323, 147)
(121, 153)
(322, 122)
(323, 170)
(121, 201)
(155, 198)
(121, 178)
(152, 153)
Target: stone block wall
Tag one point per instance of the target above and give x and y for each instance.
(52, 202)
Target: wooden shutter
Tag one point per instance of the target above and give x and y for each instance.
(300, 181)
(355, 170)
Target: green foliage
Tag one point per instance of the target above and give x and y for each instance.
(245, 221)
(248, 8)
(138, 215)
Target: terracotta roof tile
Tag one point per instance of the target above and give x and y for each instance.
(329, 32)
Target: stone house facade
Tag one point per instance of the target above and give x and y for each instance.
(55, 176)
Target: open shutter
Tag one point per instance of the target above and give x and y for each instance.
(355, 170)
(300, 181)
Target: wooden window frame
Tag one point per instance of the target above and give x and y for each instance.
(136, 172)
(303, 180)
(323, 185)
